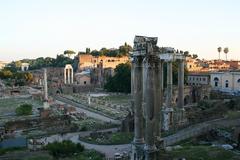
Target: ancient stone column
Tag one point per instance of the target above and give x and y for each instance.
(158, 101)
(169, 84)
(72, 76)
(45, 103)
(68, 76)
(65, 75)
(137, 95)
(168, 110)
(150, 101)
(180, 102)
(45, 85)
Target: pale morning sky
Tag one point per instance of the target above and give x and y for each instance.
(34, 28)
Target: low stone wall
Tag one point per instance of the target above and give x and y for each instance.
(199, 129)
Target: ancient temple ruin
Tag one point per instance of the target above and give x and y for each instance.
(147, 94)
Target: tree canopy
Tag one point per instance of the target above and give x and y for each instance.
(69, 53)
(121, 81)
(123, 50)
(16, 78)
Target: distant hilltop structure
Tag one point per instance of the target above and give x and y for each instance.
(87, 61)
(194, 64)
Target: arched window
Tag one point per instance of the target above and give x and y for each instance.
(216, 80)
(226, 83)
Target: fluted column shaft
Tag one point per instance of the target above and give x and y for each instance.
(169, 84)
(45, 85)
(65, 76)
(72, 76)
(180, 102)
(68, 71)
(150, 103)
(137, 94)
(158, 93)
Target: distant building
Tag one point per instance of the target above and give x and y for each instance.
(226, 81)
(87, 61)
(193, 64)
(218, 65)
(83, 78)
(234, 65)
(198, 79)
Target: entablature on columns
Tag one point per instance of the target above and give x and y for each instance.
(171, 57)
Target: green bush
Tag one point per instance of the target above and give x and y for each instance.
(64, 149)
(24, 109)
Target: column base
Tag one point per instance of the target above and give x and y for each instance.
(182, 118)
(138, 141)
(137, 151)
(150, 152)
(166, 118)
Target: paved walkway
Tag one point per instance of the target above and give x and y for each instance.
(107, 150)
(81, 108)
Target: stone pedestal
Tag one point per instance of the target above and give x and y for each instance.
(138, 151)
(167, 118)
(150, 152)
(182, 117)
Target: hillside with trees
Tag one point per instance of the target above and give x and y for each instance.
(123, 50)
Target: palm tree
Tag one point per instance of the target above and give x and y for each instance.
(226, 50)
(219, 51)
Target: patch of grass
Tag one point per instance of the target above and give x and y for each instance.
(87, 155)
(6, 150)
(110, 139)
(40, 158)
(10, 104)
(233, 114)
(118, 138)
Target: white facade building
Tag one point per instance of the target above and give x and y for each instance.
(226, 81)
(198, 79)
